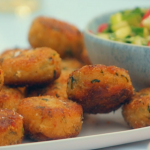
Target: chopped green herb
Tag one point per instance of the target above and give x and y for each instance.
(72, 80)
(54, 54)
(57, 95)
(116, 74)
(42, 107)
(64, 68)
(44, 99)
(69, 52)
(148, 108)
(13, 132)
(125, 77)
(50, 58)
(102, 71)
(95, 80)
(54, 73)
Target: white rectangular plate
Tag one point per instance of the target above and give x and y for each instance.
(98, 131)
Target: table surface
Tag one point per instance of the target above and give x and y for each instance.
(14, 28)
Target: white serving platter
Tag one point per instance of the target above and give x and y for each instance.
(98, 131)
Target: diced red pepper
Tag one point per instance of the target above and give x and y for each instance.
(146, 14)
(148, 44)
(102, 27)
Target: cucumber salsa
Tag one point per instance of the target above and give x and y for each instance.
(128, 26)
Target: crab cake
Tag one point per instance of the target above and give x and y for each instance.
(11, 127)
(30, 67)
(58, 88)
(49, 118)
(10, 98)
(99, 88)
(66, 39)
(137, 112)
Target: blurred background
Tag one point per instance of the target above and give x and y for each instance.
(16, 15)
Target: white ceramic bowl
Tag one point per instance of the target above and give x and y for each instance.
(135, 59)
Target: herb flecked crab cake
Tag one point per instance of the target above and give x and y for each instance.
(137, 112)
(99, 88)
(49, 118)
(30, 67)
(66, 39)
(11, 127)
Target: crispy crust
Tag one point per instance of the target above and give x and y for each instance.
(66, 39)
(10, 98)
(11, 127)
(30, 67)
(48, 118)
(137, 112)
(99, 88)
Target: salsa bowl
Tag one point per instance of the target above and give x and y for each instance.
(134, 58)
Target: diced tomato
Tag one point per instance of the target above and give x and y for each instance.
(148, 44)
(146, 14)
(102, 27)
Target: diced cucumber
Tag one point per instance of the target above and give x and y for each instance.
(143, 32)
(133, 19)
(121, 24)
(146, 32)
(139, 41)
(103, 35)
(116, 18)
(123, 32)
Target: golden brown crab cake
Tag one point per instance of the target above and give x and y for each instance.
(99, 88)
(49, 118)
(11, 127)
(10, 98)
(58, 88)
(30, 67)
(137, 112)
(66, 39)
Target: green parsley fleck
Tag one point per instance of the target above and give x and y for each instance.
(125, 77)
(44, 99)
(95, 80)
(148, 108)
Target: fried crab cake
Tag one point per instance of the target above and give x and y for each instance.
(30, 67)
(66, 39)
(137, 112)
(49, 118)
(11, 127)
(99, 88)
(10, 98)
(58, 88)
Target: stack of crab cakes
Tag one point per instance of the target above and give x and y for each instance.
(29, 71)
